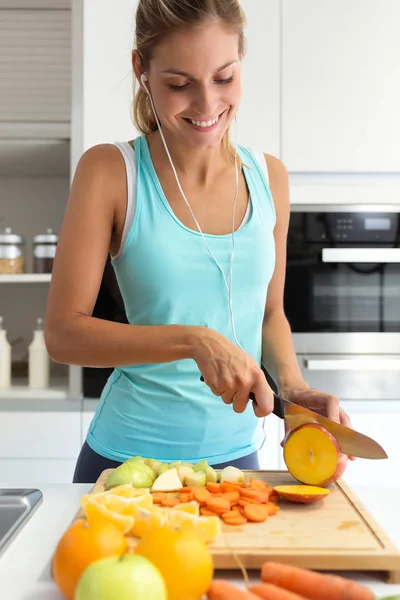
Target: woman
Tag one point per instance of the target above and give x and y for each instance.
(165, 206)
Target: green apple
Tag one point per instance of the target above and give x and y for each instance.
(184, 472)
(197, 479)
(201, 466)
(164, 467)
(127, 577)
(153, 464)
(211, 475)
(141, 466)
(231, 474)
(129, 473)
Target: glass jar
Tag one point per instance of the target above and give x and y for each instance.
(44, 251)
(11, 253)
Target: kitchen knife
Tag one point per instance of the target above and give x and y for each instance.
(350, 441)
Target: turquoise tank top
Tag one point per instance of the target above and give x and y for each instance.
(166, 276)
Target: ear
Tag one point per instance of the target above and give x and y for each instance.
(137, 66)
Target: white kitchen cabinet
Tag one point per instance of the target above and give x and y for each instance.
(258, 117)
(270, 453)
(340, 86)
(26, 472)
(383, 426)
(50, 435)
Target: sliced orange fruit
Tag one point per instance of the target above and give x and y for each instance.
(208, 528)
(146, 519)
(97, 513)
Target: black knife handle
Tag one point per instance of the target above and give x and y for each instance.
(278, 409)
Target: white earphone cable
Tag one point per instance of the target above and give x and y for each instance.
(228, 287)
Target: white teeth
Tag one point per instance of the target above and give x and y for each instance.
(204, 123)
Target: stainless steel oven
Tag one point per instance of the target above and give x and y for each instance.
(342, 298)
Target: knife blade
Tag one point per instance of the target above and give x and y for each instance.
(351, 442)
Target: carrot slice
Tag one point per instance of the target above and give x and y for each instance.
(212, 487)
(261, 497)
(170, 501)
(258, 513)
(158, 496)
(231, 513)
(218, 505)
(186, 497)
(186, 489)
(227, 486)
(244, 501)
(233, 497)
(206, 512)
(274, 497)
(311, 585)
(223, 590)
(273, 508)
(240, 520)
(272, 592)
(258, 485)
(201, 495)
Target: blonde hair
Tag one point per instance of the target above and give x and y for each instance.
(155, 19)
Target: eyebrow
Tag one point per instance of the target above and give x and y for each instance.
(185, 74)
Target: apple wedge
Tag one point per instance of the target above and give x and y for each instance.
(312, 455)
(305, 494)
(167, 482)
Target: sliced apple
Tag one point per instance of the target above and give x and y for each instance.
(167, 482)
(305, 494)
(184, 471)
(312, 455)
(198, 479)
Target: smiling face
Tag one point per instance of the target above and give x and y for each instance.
(194, 79)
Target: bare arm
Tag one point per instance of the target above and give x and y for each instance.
(279, 356)
(73, 336)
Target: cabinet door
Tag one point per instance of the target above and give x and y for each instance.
(40, 434)
(33, 473)
(340, 86)
(269, 454)
(383, 427)
(258, 115)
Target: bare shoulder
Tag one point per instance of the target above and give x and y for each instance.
(104, 160)
(277, 171)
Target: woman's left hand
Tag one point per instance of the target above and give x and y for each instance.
(319, 402)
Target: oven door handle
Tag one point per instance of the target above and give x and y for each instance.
(353, 364)
(361, 255)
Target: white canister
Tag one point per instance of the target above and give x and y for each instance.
(5, 358)
(39, 360)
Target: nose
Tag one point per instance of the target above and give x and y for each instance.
(205, 100)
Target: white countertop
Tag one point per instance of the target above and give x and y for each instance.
(24, 566)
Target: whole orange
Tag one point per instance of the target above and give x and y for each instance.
(81, 544)
(182, 557)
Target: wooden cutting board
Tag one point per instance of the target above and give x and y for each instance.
(335, 534)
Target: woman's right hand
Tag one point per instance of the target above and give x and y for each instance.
(231, 373)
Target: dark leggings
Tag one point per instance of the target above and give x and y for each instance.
(90, 464)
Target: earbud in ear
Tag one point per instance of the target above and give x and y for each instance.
(143, 77)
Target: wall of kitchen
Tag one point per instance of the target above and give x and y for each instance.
(320, 91)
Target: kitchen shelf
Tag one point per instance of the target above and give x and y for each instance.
(26, 278)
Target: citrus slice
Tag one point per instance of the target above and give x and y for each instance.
(192, 507)
(146, 519)
(118, 502)
(96, 512)
(208, 528)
